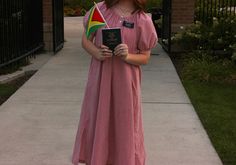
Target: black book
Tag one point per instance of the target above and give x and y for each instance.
(111, 37)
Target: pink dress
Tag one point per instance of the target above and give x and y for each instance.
(110, 129)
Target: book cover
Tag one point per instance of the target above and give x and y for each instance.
(111, 37)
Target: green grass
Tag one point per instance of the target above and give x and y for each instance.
(6, 91)
(216, 106)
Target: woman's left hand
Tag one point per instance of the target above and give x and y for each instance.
(122, 51)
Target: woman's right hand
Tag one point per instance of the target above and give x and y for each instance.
(104, 52)
(100, 53)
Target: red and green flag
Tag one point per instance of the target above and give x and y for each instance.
(95, 21)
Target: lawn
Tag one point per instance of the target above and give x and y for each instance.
(215, 105)
(6, 91)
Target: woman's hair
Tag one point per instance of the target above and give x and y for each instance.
(139, 4)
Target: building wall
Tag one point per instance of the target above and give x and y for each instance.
(47, 24)
(182, 13)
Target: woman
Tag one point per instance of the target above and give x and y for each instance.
(110, 131)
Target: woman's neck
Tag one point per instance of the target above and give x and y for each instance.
(125, 7)
(126, 4)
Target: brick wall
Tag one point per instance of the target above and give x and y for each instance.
(47, 24)
(182, 13)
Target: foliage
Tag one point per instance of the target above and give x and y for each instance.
(208, 73)
(82, 4)
(7, 89)
(154, 3)
(76, 11)
(77, 7)
(75, 3)
(217, 39)
(234, 52)
(69, 11)
(202, 67)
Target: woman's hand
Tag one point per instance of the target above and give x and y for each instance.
(104, 52)
(122, 51)
(140, 58)
(100, 53)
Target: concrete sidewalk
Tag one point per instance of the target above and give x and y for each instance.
(38, 123)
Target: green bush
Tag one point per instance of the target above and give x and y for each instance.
(77, 7)
(217, 39)
(76, 11)
(69, 11)
(233, 57)
(200, 66)
(83, 4)
(154, 3)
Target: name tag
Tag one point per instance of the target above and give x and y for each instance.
(128, 24)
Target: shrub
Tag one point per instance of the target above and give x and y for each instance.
(154, 3)
(69, 11)
(77, 7)
(200, 66)
(76, 11)
(83, 4)
(233, 57)
(217, 39)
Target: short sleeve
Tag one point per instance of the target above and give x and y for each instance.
(147, 36)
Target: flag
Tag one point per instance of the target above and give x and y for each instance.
(95, 21)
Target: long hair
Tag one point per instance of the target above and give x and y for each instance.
(139, 4)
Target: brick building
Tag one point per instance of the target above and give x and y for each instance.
(53, 24)
(182, 13)
(47, 24)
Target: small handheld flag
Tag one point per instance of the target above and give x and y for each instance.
(95, 20)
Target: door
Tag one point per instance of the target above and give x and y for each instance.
(166, 25)
(58, 25)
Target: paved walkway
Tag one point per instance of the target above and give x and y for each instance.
(39, 122)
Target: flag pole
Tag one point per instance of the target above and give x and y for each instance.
(101, 15)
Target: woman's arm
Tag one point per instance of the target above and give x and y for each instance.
(136, 59)
(99, 53)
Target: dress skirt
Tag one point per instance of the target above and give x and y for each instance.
(110, 129)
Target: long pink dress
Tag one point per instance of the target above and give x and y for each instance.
(110, 130)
